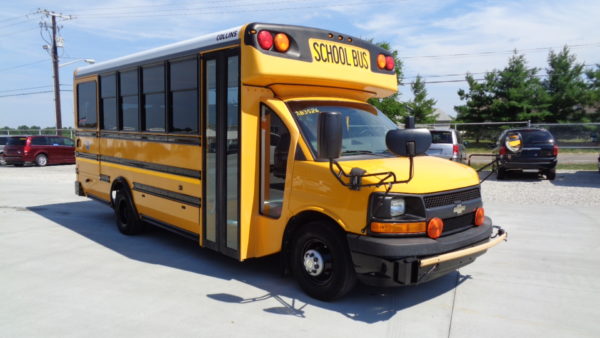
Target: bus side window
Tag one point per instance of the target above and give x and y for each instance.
(86, 105)
(275, 145)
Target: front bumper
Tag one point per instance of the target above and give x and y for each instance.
(410, 261)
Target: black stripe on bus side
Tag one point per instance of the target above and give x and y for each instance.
(152, 166)
(86, 133)
(171, 195)
(87, 155)
(195, 141)
(172, 228)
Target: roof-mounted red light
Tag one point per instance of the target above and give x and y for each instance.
(389, 63)
(265, 40)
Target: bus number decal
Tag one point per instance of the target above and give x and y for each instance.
(339, 54)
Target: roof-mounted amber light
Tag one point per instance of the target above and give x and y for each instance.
(381, 61)
(282, 42)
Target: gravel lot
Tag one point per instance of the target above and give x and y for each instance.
(571, 187)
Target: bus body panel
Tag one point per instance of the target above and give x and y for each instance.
(266, 70)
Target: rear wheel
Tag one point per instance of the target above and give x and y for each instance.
(501, 174)
(321, 262)
(550, 174)
(127, 220)
(41, 160)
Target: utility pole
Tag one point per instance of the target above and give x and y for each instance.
(54, 56)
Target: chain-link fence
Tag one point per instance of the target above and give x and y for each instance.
(21, 132)
(485, 134)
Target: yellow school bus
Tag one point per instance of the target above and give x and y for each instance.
(258, 140)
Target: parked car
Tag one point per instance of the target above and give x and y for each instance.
(41, 150)
(538, 152)
(447, 143)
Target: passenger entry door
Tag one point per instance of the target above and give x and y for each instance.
(221, 174)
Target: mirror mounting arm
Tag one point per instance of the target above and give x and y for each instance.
(356, 176)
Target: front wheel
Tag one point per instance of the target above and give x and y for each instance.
(321, 262)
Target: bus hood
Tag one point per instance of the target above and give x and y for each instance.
(430, 174)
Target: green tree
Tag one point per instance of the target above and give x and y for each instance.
(391, 106)
(420, 106)
(593, 83)
(569, 93)
(23, 127)
(514, 93)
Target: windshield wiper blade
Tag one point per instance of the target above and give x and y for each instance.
(356, 152)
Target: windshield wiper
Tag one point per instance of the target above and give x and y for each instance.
(356, 152)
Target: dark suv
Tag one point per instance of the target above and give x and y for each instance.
(41, 150)
(538, 152)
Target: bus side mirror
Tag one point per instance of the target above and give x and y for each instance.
(329, 135)
(408, 142)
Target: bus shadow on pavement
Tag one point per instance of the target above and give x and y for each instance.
(96, 222)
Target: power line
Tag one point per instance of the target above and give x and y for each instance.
(15, 23)
(35, 93)
(19, 31)
(30, 88)
(23, 65)
(14, 18)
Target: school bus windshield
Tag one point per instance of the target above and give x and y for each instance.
(363, 131)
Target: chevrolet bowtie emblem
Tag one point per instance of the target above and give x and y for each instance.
(459, 209)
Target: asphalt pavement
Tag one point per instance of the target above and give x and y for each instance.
(65, 271)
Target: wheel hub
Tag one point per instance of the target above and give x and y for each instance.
(313, 262)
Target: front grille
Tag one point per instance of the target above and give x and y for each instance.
(459, 223)
(450, 198)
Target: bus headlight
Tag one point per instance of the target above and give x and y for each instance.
(386, 207)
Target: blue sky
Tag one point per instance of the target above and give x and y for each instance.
(441, 40)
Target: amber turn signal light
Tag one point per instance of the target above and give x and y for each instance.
(435, 227)
(407, 228)
(479, 216)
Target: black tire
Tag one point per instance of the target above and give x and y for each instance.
(41, 160)
(127, 218)
(321, 262)
(501, 174)
(550, 174)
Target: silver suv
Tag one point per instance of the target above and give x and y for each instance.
(446, 143)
